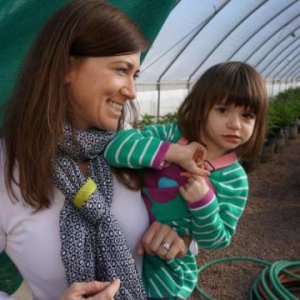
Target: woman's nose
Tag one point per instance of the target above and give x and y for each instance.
(129, 90)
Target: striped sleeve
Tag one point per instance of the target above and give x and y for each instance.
(215, 220)
(140, 148)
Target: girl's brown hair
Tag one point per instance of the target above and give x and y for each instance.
(34, 116)
(234, 83)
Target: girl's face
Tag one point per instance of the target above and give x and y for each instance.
(99, 88)
(228, 127)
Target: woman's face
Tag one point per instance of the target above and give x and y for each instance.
(99, 87)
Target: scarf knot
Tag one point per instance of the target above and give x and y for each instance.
(84, 145)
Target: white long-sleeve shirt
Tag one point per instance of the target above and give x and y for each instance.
(32, 240)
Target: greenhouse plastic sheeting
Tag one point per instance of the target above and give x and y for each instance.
(200, 33)
(20, 20)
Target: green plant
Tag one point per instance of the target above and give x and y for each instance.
(146, 120)
(167, 118)
(273, 118)
(151, 119)
(284, 110)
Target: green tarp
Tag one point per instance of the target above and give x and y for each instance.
(20, 20)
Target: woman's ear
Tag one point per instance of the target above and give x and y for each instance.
(72, 69)
(68, 76)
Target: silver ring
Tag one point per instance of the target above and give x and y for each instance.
(166, 245)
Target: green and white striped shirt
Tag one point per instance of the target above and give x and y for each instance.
(211, 221)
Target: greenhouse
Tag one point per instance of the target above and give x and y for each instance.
(198, 34)
(186, 38)
(193, 35)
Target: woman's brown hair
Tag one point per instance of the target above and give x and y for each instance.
(234, 83)
(35, 114)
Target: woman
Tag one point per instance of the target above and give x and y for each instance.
(69, 100)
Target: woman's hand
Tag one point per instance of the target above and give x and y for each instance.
(93, 290)
(163, 241)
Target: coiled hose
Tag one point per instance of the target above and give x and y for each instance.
(276, 281)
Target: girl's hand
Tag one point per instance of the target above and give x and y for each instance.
(190, 157)
(163, 241)
(93, 290)
(194, 189)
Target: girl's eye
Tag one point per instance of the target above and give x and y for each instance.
(222, 109)
(249, 115)
(136, 76)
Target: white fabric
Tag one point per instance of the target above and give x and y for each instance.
(32, 239)
(4, 296)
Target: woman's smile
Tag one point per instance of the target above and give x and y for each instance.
(116, 107)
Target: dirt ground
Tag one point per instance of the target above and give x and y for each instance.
(268, 230)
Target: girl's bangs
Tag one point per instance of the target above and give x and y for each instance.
(245, 98)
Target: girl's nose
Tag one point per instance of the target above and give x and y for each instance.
(234, 122)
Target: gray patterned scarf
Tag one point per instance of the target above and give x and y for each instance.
(93, 245)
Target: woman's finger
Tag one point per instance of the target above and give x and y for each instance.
(177, 248)
(80, 290)
(109, 292)
(161, 236)
(153, 237)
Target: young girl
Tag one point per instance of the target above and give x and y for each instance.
(226, 112)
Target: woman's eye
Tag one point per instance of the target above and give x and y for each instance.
(122, 71)
(136, 76)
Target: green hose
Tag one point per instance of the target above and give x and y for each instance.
(268, 285)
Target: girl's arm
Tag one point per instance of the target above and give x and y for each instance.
(152, 147)
(137, 149)
(217, 212)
